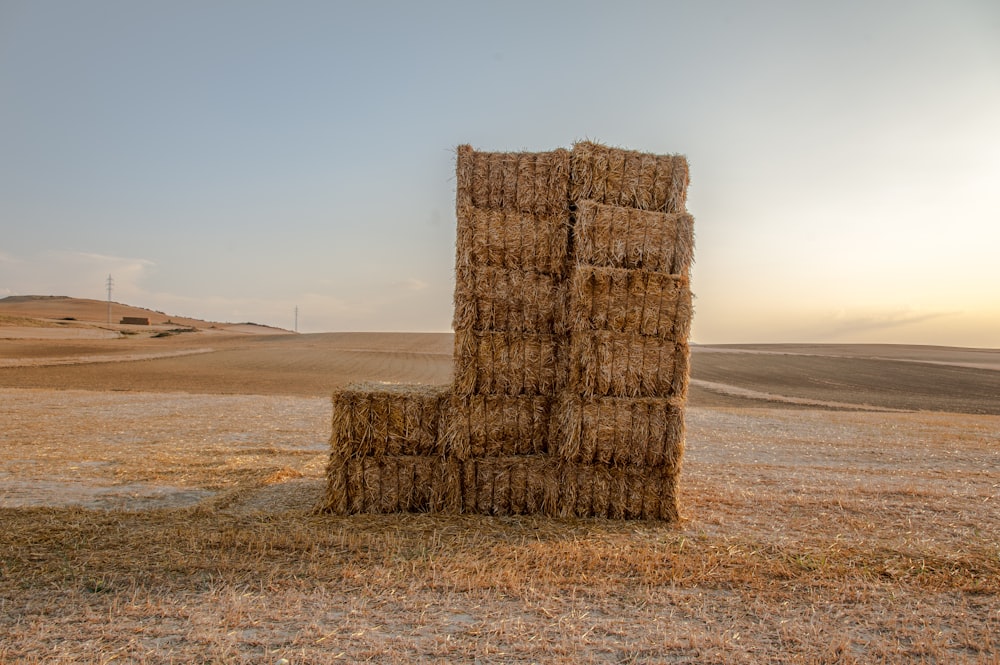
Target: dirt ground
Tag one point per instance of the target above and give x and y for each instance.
(156, 505)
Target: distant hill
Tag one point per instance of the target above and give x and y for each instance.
(52, 311)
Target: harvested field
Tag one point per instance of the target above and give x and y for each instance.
(956, 380)
(175, 525)
(264, 364)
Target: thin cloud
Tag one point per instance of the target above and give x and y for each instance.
(411, 284)
(846, 325)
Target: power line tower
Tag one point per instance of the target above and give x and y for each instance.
(110, 282)
(296, 318)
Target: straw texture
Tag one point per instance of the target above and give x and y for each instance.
(531, 182)
(512, 239)
(630, 301)
(510, 485)
(610, 364)
(503, 363)
(376, 419)
(619, 432)
(594, 490)
(492, 425)
(628, 178)
(394, 483)
(618, 237)
(504, 300)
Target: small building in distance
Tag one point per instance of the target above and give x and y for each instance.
(135, 320)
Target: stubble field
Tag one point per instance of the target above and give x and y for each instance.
(840, 505)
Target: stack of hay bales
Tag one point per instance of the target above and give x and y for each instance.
(510, 325)
(618, 422)
(572, 313)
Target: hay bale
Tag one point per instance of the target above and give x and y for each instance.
(335, 497)
(376, 419)
(660, 496)
(598, 491)
(508, 485)
(505, 363)
(630, 301)
(393, 483)
(628, 178)
(490, 425)
(503, 300)
(620, 237)
(511, 239)
(612, 364)
(532, 182)
(645, 433)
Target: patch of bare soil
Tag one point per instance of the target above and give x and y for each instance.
(809, 536)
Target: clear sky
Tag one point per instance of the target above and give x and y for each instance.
(232, 160)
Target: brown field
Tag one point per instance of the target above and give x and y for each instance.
(840, 505)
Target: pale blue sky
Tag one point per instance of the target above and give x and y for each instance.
(234, 160)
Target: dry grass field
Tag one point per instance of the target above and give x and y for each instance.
(841, 505)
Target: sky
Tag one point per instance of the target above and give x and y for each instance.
(234, 160)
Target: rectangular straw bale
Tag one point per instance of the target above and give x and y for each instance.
(532, 182)
(603, 363)
(394, 483)
(668, 495)
(335, 497)
(376, 419)
(630, 301)
(504, 300)
(507, 485)
(633, 493)
(628, 178)
(511, 239)
(620, 237)
(506, 363)
(483, 425)
(595, 490)
(618, 432)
